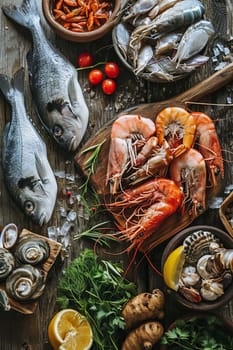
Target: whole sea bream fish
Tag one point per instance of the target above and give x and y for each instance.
(53, 79)
(27, 172)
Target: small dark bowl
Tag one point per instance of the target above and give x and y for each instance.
(225, 323)
(82, 37)
(176, 241)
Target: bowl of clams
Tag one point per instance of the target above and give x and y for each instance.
(163, 41)
(197, 267)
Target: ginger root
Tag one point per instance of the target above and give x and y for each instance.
(143, 307)
(144, 337)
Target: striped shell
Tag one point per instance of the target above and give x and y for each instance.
(198, 244)
(7, 263)
(32, 250)
(26, 283)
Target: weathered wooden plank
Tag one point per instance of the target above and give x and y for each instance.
(30, 331)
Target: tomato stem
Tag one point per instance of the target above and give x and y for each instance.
(93, 66)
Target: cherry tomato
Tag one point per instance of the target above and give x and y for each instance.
(85, 59)
(95, 76)
(108, 86)
(111, 69)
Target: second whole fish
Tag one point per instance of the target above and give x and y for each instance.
(56, 91)
(27, 172)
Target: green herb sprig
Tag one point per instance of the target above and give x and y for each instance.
(95, 233)
(97, 290)
(198, 334)
(90, 163)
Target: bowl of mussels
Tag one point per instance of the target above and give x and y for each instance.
(197, 267)
(163, 41)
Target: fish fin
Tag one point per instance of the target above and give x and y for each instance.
(41, 169)
(23, 15)
(7, 86)
(29, 62)
(18, 80)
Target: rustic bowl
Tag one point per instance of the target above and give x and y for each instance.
(176, 241)
(82, 37)
(226, 324)
(223, 212)
(177, 74)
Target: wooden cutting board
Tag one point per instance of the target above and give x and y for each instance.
(98, 180)
(55, 248)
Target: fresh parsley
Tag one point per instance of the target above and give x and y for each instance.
(198, 333)
(97, 290)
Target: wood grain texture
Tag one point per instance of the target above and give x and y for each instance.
(29, 332)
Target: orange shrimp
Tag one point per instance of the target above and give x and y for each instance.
(209, 145)
(152, 202)
(147, 150)
(177, 126)
(127, 134)
(152, 164)
(189, 172)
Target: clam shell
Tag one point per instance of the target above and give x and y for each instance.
(32, 250)
(7, 263)
(198, 244)
(26, 283)
(9, 236)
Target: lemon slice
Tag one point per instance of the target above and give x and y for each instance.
(173, 267)
(69, 330)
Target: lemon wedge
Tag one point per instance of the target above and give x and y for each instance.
(69, 330)
(173, 267)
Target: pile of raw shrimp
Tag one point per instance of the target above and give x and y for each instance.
(159, 167)
(163, 40)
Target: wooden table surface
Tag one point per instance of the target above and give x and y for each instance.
(19, 331)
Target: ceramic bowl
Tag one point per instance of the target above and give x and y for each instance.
(176, 241)
(85, 36)
(144, 48)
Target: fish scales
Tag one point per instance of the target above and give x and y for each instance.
(53, 79)
(26, 169)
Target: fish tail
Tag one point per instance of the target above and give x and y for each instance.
(24, 15)
(8, 86)
(18, 80)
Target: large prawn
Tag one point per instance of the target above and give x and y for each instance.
(189, 172)
(129, 134)
(208, 144)
(152, 161)
(151, 203)
(177, 127)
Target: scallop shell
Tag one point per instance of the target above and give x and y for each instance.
(26, 283)
(32, 250)
(198, 244)
(7, 263)
(9, 236)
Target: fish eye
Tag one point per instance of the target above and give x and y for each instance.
(57, 131)
(28, 207)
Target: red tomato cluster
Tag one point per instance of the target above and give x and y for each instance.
(96, 76)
